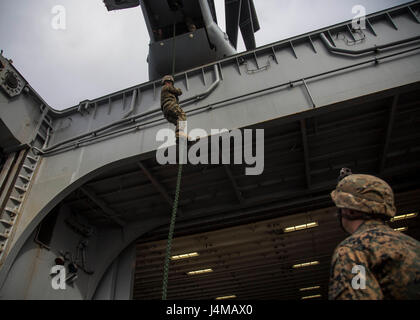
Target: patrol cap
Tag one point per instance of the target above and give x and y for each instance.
(365, 193)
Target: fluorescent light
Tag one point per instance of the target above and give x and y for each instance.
(185, 256)
(404, 216)
(192, 273)
(401, 229)
(306, 264)
(312, 297)
(309, 288)
(226, 297)
(301, 227)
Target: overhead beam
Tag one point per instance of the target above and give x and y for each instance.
(108, 212)
(120, 4)
(158, 186)
(232, 12)
(305, 152)
(246, 25)
(5, 170)
(388, 134)
(234, 184)
(231, 178)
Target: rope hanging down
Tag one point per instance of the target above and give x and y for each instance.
(175, 205)
(171, 233)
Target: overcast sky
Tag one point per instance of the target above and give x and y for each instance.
(101, 52)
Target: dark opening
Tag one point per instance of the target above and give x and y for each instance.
(189, 18)
(46, 227)
(2, 159)
(175, 5)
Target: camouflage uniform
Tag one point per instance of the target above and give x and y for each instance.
(170, 105)
(390, 258)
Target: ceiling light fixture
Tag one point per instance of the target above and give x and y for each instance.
(309, 288)
(192, 273)
(306, 264)
(312, 297)
(404, 216)
(185, 256)
(301, 227)
(226, 297)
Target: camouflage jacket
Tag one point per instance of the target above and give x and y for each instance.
(169, 96)
(391, 261)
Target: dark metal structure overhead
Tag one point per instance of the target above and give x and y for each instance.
(121, 4)
(241, 14)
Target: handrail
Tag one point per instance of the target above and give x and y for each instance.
(94, 133)
(374, 49)
(223, 102)
(133, 103)
(203, 95)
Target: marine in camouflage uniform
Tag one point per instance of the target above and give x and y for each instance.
(391, 259)
(170, 105)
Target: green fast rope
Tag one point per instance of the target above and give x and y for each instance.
(171, 233)
(175, 206)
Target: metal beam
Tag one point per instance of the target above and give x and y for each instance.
(159, 187)
(305, 152)
(231, 178)
(390, 126)
(234, 184)
(108, 212)
(5, 170)
(11, 179)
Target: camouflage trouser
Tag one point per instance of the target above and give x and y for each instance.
(173, 114)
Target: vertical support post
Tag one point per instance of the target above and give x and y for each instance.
(371, 27)
(293, 49)
(312, 43)
(309, 93)
(305, 152)
(413, 14)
